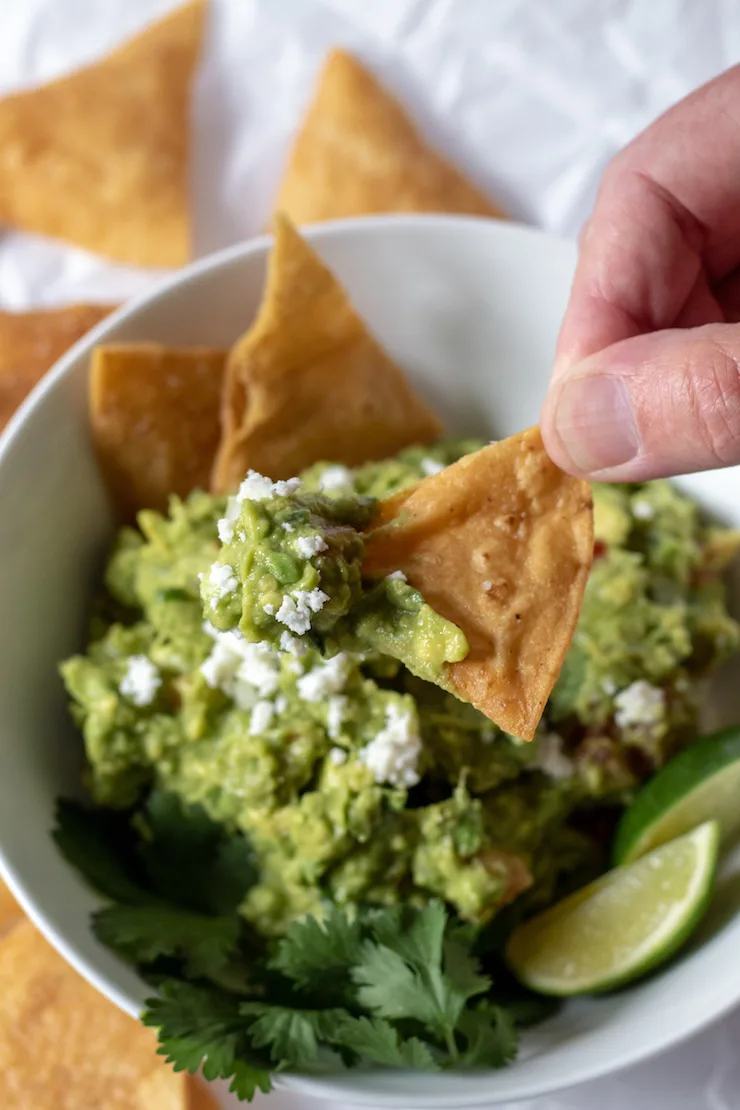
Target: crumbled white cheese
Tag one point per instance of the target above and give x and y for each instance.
(326, 678)
(226, 523)
(281, 703)
(487, 585)
(397, 574)
(393, 754)
(338, 756)
(295, 612)
(551, 758)
(262, 714)
(292, 644)
(609, 686)
(243, 670)
(269, 609)
(221, 580)
(642, 510)
(640, 705)
(298, 621)
(255, 487)
(287, 527)
(335, 715)
(141, 680)
(308, 546)
(335, 477)
(431, 466)
(315, 599)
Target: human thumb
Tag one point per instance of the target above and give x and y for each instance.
(653, 406)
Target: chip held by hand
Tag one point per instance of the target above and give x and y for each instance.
(501, 544)
(309, 380)
(358, 153)
(154, 413)
(99, 158)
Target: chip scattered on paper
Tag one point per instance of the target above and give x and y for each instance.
(358, 153)
(501, 544)
(62, 1044)
(31, 342)
(309, 380)
(10, 911)
(99, 158)
(155, 419)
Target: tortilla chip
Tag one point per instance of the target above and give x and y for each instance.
(308, 381)
(10, 911)
(63, 1046)
(199, 1097)
(501, 543)
(155, 419)
(359, 153)
(31, 342)
(100, 158)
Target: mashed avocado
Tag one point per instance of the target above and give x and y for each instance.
(238, 660)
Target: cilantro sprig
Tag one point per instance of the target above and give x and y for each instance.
(395, 987)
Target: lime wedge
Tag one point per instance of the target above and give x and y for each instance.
(700, 784)
(623, 924)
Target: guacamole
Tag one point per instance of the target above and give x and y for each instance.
(238, 660)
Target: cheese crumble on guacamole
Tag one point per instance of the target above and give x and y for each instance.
(239, 661)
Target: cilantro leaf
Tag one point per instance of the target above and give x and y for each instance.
(143, 934)
(292, 1036)
(190, 860)
(462, 969)
(376, 1040)
(418, 939)
(420, 974)
(201, 1027)
(318, 955)
(490, 1035)
(99, 844)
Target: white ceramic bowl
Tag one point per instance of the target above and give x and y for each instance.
(471, 310)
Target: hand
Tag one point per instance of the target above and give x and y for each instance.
(646, 380)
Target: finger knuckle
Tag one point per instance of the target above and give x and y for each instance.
(715, 404)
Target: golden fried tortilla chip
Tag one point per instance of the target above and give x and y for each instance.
(501, 543)
(155, 419)
(10, 911)
(31, 342)
(358, 153)
(199, 1096)
(100, 158)
(308, 380)
(63, 1046)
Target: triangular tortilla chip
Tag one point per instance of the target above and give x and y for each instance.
(10, 911)
(358, 153)
(31, 342)
(62, 1044)
(308, 380)
(501, 543)
(199, 1096)
(155, 419)
(100, 158)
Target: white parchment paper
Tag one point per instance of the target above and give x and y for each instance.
(533, 97)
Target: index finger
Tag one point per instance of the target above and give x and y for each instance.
(666, 211)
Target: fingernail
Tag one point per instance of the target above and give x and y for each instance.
(596, 424)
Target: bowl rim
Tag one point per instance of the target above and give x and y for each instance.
(725, 998)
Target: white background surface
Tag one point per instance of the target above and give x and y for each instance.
(532, 96)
